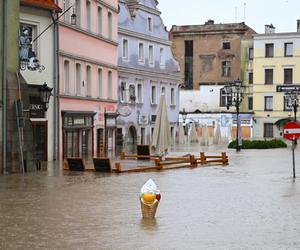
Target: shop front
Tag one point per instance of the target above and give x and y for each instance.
(78, 136)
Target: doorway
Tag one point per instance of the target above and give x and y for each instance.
(40, 142)
(131, 139)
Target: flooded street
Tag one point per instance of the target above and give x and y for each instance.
(251, 204)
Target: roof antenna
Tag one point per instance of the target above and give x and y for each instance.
(244, 12)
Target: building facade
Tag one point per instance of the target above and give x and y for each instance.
(276, 62)
(37, 67)
(88, 76)
(147, 70)
(209, 54)
(9, 65)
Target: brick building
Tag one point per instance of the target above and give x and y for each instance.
(209, 54)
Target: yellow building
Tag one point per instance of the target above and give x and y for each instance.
(276, 62)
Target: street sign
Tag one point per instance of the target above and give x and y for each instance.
(287, 88)
(291, 131)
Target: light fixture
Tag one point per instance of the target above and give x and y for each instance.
(73, 18)
(45, 93)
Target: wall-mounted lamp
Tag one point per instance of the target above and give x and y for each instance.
(45, 93)
(73, 18)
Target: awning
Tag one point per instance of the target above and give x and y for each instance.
(281, 122)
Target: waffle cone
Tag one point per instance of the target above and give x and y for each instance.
(149, 210)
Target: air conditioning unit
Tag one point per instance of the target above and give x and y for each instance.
(143, 119)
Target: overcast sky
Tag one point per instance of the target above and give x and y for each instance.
(281, 13)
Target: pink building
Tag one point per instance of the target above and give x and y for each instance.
(87, 74)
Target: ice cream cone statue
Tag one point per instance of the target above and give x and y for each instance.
(149, 198)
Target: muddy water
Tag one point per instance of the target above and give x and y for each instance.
(251, 204)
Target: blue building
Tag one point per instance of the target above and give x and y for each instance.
(147, 69)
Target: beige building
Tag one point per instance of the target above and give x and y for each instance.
(209, 54)
(276, 62)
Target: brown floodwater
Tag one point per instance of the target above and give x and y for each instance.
(251, 204)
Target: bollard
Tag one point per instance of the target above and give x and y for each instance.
(118, 167)
(202, 158)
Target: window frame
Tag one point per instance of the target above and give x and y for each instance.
(172, 96)
(285, 104)
(285, 49)
(99, 20)
(100, 82)
(266, 103)
(141, 60)
(122, 94)
(139, 96)
(153, 98)
(151, 63)
(250, 53)
(150, 24)
(226, 45)
(289, 79)
(250, 74)
(269, 53)
(250, 103)
(125, 49)
(66, 76)
(269, 82)
(224, 67)
(162, 60)
(267, 130)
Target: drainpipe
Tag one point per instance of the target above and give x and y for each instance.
(55, 84)
(4, 89)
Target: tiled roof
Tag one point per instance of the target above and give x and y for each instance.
(43, 4)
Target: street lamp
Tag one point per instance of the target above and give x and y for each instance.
(184, 115)
(234, 97)
(45, 93)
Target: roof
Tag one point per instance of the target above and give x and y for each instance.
(210, 26)
(42, 4)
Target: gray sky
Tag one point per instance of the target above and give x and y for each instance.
(281, 13)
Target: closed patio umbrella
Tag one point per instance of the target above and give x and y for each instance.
(161, 139)
(217, 136)
(181, 136)
(205, 136)
(193, 134)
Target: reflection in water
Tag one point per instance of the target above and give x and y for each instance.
(250, 204)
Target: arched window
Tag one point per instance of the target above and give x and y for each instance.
(99, 20)
(109, 81)
(109, 16)
(88, 81)
(88, 15)
(100, 82)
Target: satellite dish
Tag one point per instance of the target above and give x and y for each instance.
(124, 111)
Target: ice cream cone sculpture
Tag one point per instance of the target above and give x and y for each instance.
(149, 198)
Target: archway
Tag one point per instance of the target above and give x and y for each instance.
(131, 139)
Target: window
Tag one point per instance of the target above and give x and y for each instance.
(67, 14)
(67, 76)
(287, 103)
(99, 20)
(123, 91)
(172, 96)
(139, 93)
(88, 15)
(150, 54)
(150, 26)
(250, 53)
(125, 49)
(132, 96)
(109, 17)
(250, 77)
(226, 68)
(78, 78)
(163, 90)
(77, 11)
(288, 49)
(141, 52)
(161, 57)
(188, 64)
(100, 83)
(27, 35)
(288, 76)
(143, 136)
(268, 130)
(109, 82)
(225, 98)
(268, 76)
(226, 45)
(269, 50)
(88, 81)
(268, 103)
(250, 103)
(153, 94)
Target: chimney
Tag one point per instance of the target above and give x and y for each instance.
(209, 22)
(269, 29)
(298, 25)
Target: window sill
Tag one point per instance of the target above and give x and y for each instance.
(153, 104)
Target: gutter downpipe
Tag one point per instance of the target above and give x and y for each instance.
(4, 89)
(56, 87)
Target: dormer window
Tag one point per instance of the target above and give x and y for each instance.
(150, 25)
